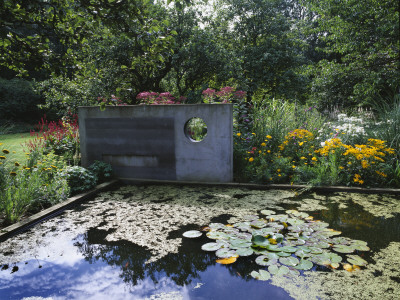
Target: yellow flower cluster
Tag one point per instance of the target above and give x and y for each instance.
(375, 149)
(357, 178)
(381, 174)
(254, 149)
(297, 134)
(330, 146)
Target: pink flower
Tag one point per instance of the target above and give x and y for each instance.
(208, 95)
(239, 95)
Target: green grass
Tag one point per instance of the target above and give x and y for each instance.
(14, 143)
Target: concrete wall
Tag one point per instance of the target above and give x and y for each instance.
(149, 141)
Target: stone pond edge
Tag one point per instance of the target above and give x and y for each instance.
(294, 187)
(7, 232)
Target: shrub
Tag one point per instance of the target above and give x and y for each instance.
(62, 137)
(154, 98)
(286, 129)
(79, 179)
(102, 170)
(30, 186)
(62, 94)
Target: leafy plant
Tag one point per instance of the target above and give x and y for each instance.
(114, 101)
(102, 170)
(79, 179)
(62, 137)
(30, 186)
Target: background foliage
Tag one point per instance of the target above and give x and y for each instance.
(328, 53)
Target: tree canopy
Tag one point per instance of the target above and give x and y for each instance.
(327, 52)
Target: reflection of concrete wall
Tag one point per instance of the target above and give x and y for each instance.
(149, 142)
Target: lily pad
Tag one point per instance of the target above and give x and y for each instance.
(293, 273)
(299, 242)
(359, 245)
(216, 226)
(264, 231)
(304, 248)
(283, 254)
(225, 253)
(216, 235)
(295, 222)
(330, 232)
(244, 251)
(288, 249)
(260, 241)
(239, 243)
(260, 251)
(289, 261)
(315, 250)
(335, 265)
(258, 224)
(304, 264)
(274, 248)
(302, 215)
(343, 249)
(211, 246)
(244, 226)
(341, 240)
(267, 212)
(261, 275)
(278, 270)
(350, 268)
(326, 259)
(264, 260)
(302, 254)
(192, 234)
(356, 260)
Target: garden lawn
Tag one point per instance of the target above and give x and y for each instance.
(15, 143)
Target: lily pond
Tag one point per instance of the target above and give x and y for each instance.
(191, 242)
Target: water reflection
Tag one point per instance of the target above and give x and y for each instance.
(190, 267)
(356, 223)
(118, 270)
(88, 266)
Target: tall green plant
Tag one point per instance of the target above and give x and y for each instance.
(278, 117)
(30, 186)
(388, 111)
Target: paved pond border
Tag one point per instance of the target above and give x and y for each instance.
(7, 232)
(11, 230)
(271, 186)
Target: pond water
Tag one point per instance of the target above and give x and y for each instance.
(128, 244)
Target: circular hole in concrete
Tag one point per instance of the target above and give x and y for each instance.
(195, 129)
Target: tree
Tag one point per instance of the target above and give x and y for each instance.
(361, 38)
(268, 52)
(38, 34)
(199, 56)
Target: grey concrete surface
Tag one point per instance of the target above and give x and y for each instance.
(149, 142)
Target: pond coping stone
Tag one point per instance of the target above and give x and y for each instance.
(52, 211)
(295, 187)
